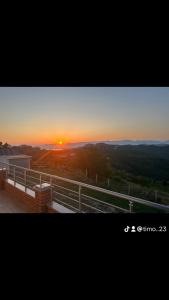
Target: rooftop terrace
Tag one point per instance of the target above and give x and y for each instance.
(27, 190)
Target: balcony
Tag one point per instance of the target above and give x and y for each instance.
(26, 190)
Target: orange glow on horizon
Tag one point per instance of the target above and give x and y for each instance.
(61, 141)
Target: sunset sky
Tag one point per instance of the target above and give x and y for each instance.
(72, 114)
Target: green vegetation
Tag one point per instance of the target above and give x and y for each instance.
(4, 146)
(141, 171)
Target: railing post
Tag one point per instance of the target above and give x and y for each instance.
(86, 173)
(108, 182)
(131, 206)
(40, 180)
(51, 187)
(6, 173)
(14, 173)
(80, 197)
(96, 178)
(25, 180)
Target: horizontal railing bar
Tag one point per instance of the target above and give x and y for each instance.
(19, 173)
(27, 186)
(102, 202)
(30, 182)
(29, 176)
(65, 188)
(65, 196)
(17, 181)
(19, 177)
(44, 181)
(111, 206)
(108, 192)
(87, 205)
(58, 200)
(92, 207)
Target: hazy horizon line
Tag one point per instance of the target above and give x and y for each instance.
(94, 141)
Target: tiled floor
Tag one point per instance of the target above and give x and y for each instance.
(10, 205)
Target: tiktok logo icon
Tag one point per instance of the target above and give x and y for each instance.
(127, 229)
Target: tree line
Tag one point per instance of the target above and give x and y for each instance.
(4, 146)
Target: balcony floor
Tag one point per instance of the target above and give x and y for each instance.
(9, 204)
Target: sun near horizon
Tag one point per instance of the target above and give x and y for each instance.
(45, 115)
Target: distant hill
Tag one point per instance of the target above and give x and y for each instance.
(126, 161)
(114, 142)
(150, 161)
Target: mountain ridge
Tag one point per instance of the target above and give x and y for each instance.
(113, 142)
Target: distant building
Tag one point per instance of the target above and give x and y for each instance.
(12, 156)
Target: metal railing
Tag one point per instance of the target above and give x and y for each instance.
(78, 196)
